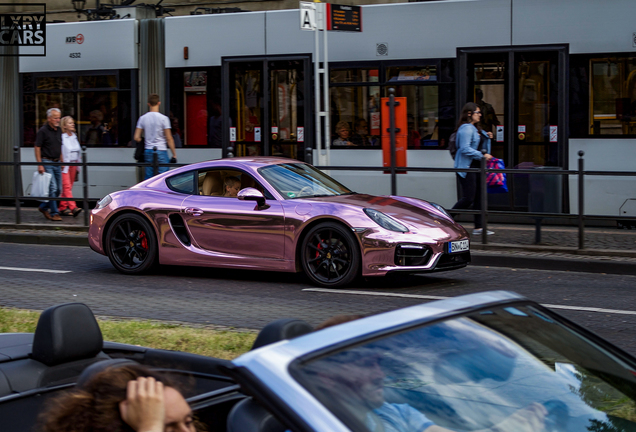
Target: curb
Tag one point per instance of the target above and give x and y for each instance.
(553, 249)
(54, 240)
(575, 264)
(43, 227)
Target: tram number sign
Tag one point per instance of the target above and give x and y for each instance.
(307, 15)
(344, 18)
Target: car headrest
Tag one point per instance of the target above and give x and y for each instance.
(285, 328)
(65, 333)
(212, 184)
(249, 416)
(98, 367)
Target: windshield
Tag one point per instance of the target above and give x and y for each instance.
(507, 369)
(299, 180)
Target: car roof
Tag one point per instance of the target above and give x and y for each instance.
(253, 162)
(250, 163)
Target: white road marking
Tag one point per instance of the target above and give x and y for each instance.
(429, 297)
(375, 293)
(35, 270)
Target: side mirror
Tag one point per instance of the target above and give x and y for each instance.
(251, 194)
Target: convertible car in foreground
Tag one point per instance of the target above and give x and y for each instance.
(489, 361)
(288, 216)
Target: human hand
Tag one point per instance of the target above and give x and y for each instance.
(41, 169)
(529, 419)
(488, 156)
(490, 135)
(143, 409)
(173, 160)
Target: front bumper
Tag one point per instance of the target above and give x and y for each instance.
(384, 251)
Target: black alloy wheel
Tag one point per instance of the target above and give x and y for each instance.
(131, 244)
(330, 255)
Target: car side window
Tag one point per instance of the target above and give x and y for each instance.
(183, 183)
(227, 183)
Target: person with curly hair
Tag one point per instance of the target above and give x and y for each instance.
(128, 398)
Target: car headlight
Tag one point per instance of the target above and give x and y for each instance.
(440, 208)
(385, 221)
(103, 202)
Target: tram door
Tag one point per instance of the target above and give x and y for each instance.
(521, 94)
(268, 113)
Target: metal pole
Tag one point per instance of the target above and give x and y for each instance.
(392, 132)
(581, 202)
(317, 82)
(17, 182)
(325, 85)
(85, 186)
(484, 200)
(155, 161)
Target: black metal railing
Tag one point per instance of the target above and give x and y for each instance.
(580, 215)
(580, 172)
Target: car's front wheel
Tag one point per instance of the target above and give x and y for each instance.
(131, 244)
(330, 255)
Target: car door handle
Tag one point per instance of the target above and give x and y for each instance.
(193, 211)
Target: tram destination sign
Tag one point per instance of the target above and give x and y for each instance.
(344, 18)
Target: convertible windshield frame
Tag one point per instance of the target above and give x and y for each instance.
(301, 180)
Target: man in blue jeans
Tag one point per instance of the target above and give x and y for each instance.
(157, 133)
(48, 148)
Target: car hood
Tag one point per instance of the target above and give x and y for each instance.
(411, 211)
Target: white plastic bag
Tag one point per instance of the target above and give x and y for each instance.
(40, 185)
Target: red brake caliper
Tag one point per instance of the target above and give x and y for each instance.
(144, 240)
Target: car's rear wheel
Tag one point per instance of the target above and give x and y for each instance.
(131, 244)
(330, 255)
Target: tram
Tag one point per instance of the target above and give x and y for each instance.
(553, 77)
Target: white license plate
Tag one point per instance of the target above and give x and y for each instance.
(458, 246)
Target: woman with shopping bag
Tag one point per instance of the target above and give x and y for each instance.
(470, 141)
(71, 152)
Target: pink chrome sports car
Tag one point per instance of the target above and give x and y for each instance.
(276, 214)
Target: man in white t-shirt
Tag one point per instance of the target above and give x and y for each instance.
(156, 128)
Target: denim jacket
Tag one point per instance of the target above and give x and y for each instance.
(467, 145)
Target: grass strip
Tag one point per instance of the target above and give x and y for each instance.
(225, 344)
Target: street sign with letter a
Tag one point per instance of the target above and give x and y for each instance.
(307, 16)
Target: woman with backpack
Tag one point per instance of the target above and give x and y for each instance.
(470, 140)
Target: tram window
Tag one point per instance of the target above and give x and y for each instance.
(195, 107)
(410, 73)
(358, 110)
(354, 75)
(246, 109)
(97, 122)
(422, 115)
(43, 101)
(28, 119)
(94, 101)
(613, 96)
(55, 83)
(97, 81)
